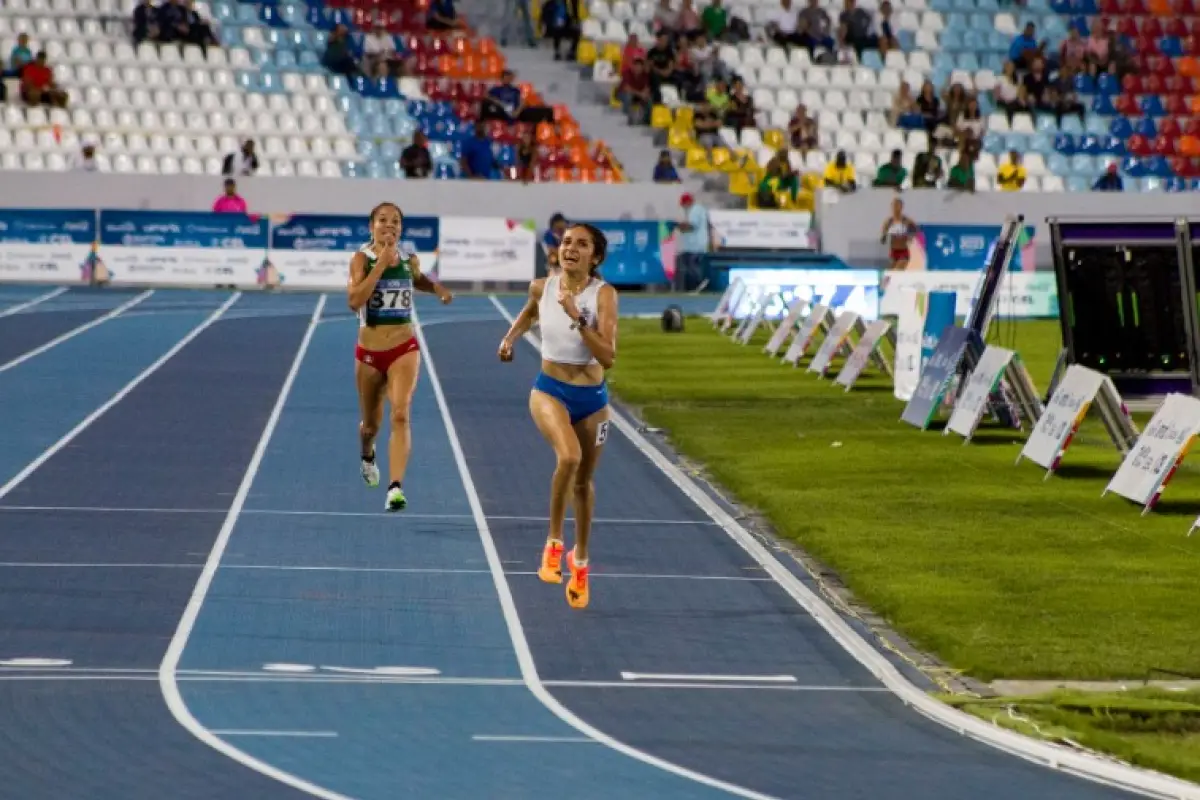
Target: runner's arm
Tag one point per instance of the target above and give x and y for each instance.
(362, 283)
(528, 315)
(602, 340)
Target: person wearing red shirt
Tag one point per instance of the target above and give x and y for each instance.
(38, 86)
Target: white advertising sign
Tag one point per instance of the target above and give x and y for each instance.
(910, 328)
(1063, 415)
(862, 353)
(762, 230)
(326, 270)
(183, 266)
(834, 342)
(820, 318)
(1020, 294)
(1148, 467)
(795, 311)
(486, 249)
(44, 263)
(973, 399)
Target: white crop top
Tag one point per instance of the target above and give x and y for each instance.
(559, 342)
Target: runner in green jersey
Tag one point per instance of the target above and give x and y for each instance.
(384, 273)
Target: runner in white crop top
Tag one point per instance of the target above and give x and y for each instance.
(577, 312)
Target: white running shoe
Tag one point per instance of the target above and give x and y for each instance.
(370, 473)
(396, 501)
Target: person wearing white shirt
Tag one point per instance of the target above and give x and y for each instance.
(85, 161)
(782, 25)
(378, 46)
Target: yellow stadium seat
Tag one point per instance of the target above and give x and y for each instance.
(805, 201)
(684, 117)
(660, 117)
(773, 138)
(811, 181)
(722, 159)
(740, 184)
(612, 52)
(586, 53)
(680, 139)
(697, 160)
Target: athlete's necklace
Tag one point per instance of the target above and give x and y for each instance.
(573, 290)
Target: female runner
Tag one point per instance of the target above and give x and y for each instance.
(569, 402)
(899, 228)
(383, 275)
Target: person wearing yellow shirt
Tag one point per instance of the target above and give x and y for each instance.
(1011, 176)
(840, 174)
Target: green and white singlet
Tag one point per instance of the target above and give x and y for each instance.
(392, 301)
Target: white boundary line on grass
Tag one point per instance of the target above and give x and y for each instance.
(168, 680)
(512, 618)
(41, 298)
(1084, 765)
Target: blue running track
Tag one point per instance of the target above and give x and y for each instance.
(200, 599)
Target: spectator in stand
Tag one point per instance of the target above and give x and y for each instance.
(527, 158)
(663, 62)
(664, 170)
(38, 86)
(1004, 92)
(560, 24)
(85, 161)
(783, 27)
(665, 19)
(634, 92)
(928, 169)
(243, 162)
(892, 174)
(478, 160)
(856, 30)
(145, 23)
(1036, 81)
(840, 174)
(1098, 56)
(442, 16)
(817, 26)
(415, 159)
(778, 179)
(947, 123)
(230, 202)
(694, 242)
(379, 48)
(717, 96)
(338, 58)
(503, 101)
(1072, 53)
(687, 77)
(887, 34)
(971, 126)
(702, 55)
(1110, 181)
(905, 112)
(715, 21)
(688, 23)
(740, 114)
(551, 239)
(631, 51)
(20, 56)
(707, 125)
(962, 175)
(802, 130)
(1025, 48)
(930, 106)
(1010, 177)
(199, 31)
(172, 22)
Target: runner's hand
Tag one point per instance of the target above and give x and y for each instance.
(506, 350)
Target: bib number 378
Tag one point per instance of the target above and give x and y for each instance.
(391, 299)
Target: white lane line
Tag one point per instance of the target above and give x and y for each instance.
(534, 739)
(71, 334)
(658, 676)
(1096, 768)
(293, 734)
(168, 679)
(778, 687)
(41, 298)
(512, 617)
(103, 409)
(379, 514)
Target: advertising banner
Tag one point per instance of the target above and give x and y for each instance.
(486, 249)
(312, 251)
(634, 251)
(1023, 295)
(762, 230)
(966, 247)
(939, 316)
(50, 246)
(854, 290)
(910, 328)
(180, 248)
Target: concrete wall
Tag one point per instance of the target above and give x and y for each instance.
(356, 196)
(850, 224)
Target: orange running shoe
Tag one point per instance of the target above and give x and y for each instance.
(551, 569)
(577, 587)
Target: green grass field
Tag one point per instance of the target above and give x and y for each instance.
(973, 559)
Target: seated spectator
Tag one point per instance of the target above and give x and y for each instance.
(145, 23)
(527, 158)
(665, 19)
(817, 26)
(778, 178)
(442, 16)
(970, 129)
(1097, 55)
(840, 173)
(1036, 80)
(38, 86)
(687, 78)
(783, 26)
(962, 175)
(802, 130)
(1058, 104)
(1010, 177)
(717, 96)
(560, 25)
(198, 30)
(887, 34)
(1072, 53)
(707, 125)
(740, 114)
(634, 92)
(19, 57)
(929, 105)
(1025, 47)
(687, 24)
(955, 100)
(856, 29)
(702, 55)
(379, 48)
(905, 113)
(172, 22)
(230, 202)
(1110, 181)
(1004, 92)
(415, 159)
(85, 160)
(631, 51)
(662, 61)
(243, 162)
(928, 169)
(503, 101)
(715, 21)
(664, 170)
(338, 57)
(478, 159)
(892, 174)
(552, 238)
